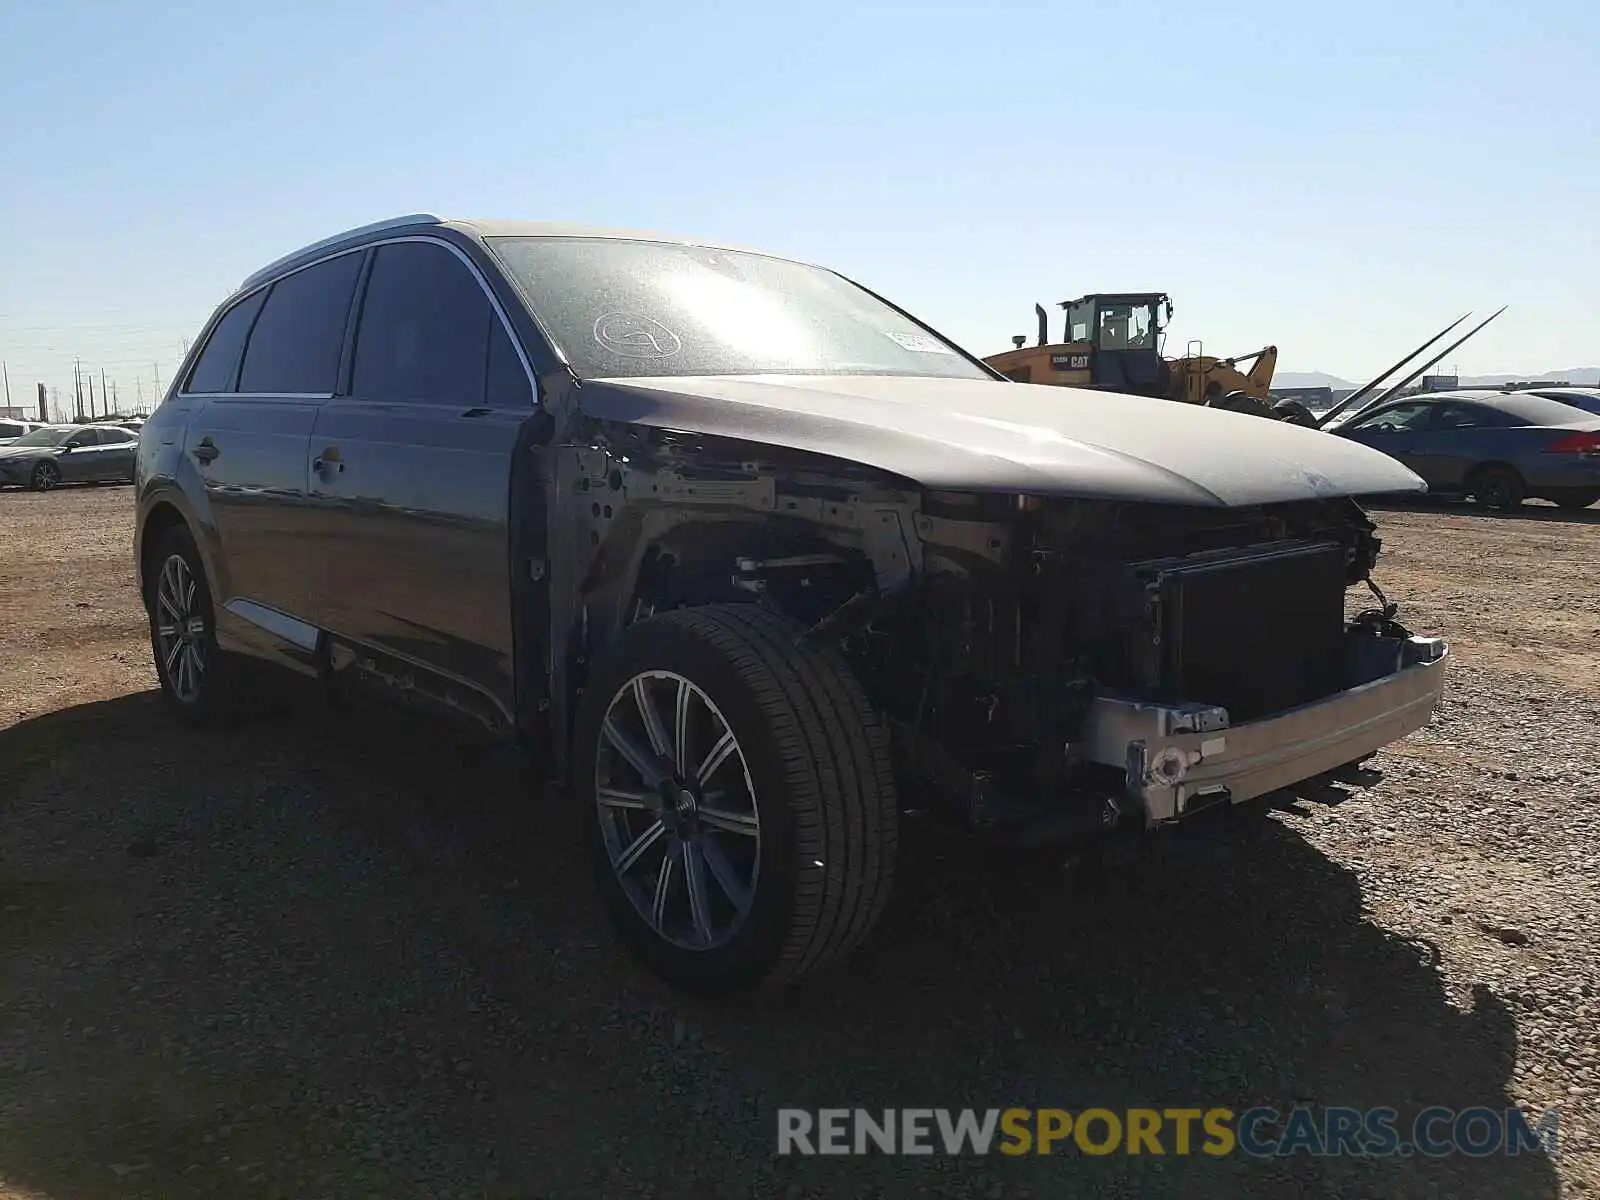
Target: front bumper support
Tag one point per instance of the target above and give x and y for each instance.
(1183, 757)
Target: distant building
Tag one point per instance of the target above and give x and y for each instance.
(1440, 383)
(13, 413)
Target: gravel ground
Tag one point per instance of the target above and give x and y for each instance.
(320, 956)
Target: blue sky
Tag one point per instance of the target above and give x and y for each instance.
(1338, 179)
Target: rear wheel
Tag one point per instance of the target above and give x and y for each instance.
(45, 477)
(196, 680)
(743, 821)
(1576, 500)
(1498, 488)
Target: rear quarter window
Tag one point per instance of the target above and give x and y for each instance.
(218, 364)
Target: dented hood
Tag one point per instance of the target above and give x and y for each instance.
(978, 435)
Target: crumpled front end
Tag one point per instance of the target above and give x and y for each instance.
(1066, 667)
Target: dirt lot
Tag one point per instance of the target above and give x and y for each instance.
(319, 956)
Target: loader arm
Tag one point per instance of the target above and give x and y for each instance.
(1260, 375)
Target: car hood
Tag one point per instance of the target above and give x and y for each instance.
(980, 435)
(23, 451)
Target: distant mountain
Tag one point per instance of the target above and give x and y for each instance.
(1576, 376)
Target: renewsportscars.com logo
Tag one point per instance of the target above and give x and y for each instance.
(1259, 1132)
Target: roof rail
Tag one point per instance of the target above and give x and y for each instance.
(271, 268)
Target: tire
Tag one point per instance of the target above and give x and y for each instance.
(1498, 488)
(817, 868)
(1574, 501)
(46, 477)
(196, 679)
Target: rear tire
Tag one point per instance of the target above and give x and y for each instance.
(1498, 488)
(795, 831)
(196, 679)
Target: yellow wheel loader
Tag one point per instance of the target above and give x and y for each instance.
(1113, 341)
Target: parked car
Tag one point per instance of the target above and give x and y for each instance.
(1497, 447)
(55, 454)
(749, 558)
(11, 430)
(1587, 399)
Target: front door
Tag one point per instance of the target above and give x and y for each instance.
(83, 457)
(1394, 430)
(410, 475)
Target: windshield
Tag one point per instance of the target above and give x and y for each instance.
(48, 436)
(1127, 327)
(620, 308)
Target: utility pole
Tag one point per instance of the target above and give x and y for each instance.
(55, 403)
(91, 397)
(44, 412)
(156, 388)
(104, 394)
(7, 375)
(138, 396)
(77, 389)
(116, 405)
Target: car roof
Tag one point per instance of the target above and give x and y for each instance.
(1534, 410)
(483, 228)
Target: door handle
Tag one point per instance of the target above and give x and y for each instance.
(328, 462)
(206, 451)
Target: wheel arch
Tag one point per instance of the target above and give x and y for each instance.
(1480, 469)
(659, 564)
(159, 513)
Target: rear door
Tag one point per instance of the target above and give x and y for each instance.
(271, 362)
(117, 451)
(410, 472)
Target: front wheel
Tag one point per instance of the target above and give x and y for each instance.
(1498, 488)
(46, 477)
(740, 797)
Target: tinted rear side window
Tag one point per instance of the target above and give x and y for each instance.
(218, 364)
(9, 430)
(296, 342)
(424, 333)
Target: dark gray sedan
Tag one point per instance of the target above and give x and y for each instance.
(57, 454)
(1497, 448)
(1585, 398)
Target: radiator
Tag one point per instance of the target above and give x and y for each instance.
(1255, 630)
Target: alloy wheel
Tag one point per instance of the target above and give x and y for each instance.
(677, 810)
(180, 629)
(46, 475)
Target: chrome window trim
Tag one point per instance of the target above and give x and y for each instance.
(257, 395)
(472, 267)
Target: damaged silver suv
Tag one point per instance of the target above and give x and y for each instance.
(754, 560)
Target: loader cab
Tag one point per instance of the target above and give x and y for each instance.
(1124, 332)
